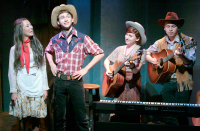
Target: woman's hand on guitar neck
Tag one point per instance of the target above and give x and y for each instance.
(131, 63)
(135, 56)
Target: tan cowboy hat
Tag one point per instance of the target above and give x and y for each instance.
(140, 29)
(171, 17)
(56, 11)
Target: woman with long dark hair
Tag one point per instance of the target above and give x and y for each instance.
(27, 75)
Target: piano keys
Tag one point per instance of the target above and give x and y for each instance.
(146, 108)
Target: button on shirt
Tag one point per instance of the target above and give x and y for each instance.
(189, 53)
(70, 58)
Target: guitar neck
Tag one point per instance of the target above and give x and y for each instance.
(118, 69)
(188, 46)
(122, 65)
(167, 58)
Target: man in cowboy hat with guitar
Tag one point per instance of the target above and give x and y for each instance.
(71, 48)
(177, 88)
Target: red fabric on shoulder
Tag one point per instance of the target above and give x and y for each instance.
(25, 54)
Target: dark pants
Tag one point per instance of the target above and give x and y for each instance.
(170, 94)
(73, 88)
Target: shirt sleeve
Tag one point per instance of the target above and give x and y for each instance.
(114, 55)
(153, 48)
(143, 57)
(44, 75)
(49, 49)
(191, 55)
(11, 72)
(92, 48)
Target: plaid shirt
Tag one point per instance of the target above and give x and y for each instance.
(69, 57)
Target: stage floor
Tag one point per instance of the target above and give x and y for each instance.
(10, 123)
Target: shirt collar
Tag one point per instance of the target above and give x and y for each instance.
(170, 42)
(74, 32)
(136, 46)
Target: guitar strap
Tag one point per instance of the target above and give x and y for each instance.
(134, 50)
(181, 42)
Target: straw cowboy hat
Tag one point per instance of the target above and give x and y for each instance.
(140, 29)
(172, 18)
(56, 11)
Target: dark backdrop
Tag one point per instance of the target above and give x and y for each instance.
(104, 21)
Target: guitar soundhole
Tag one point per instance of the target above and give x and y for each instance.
(159, 70)
(161, 62)
(109, 80)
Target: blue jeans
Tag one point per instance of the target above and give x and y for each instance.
(75, 89)
(170, 94)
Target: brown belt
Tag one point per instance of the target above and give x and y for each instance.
(65, 77)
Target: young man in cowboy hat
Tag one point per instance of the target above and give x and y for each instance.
(71, 48)
(177, 89)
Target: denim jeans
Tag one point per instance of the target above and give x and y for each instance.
(170, 94)
(75, 89)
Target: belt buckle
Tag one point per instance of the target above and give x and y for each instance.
(68, 77)
(63, 77)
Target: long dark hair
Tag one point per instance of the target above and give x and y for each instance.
(34, 43)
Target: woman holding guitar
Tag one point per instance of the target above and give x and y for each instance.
(133, 59)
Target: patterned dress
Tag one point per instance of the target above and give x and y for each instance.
(29, 88)
(28, 106)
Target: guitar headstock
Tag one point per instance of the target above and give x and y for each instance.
(135, 56)
(141, 51)
(192, 44)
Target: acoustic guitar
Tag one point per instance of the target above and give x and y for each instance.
(111, 86)
(159, 74)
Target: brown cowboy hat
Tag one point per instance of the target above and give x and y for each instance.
(56, 11)
(171, 17)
